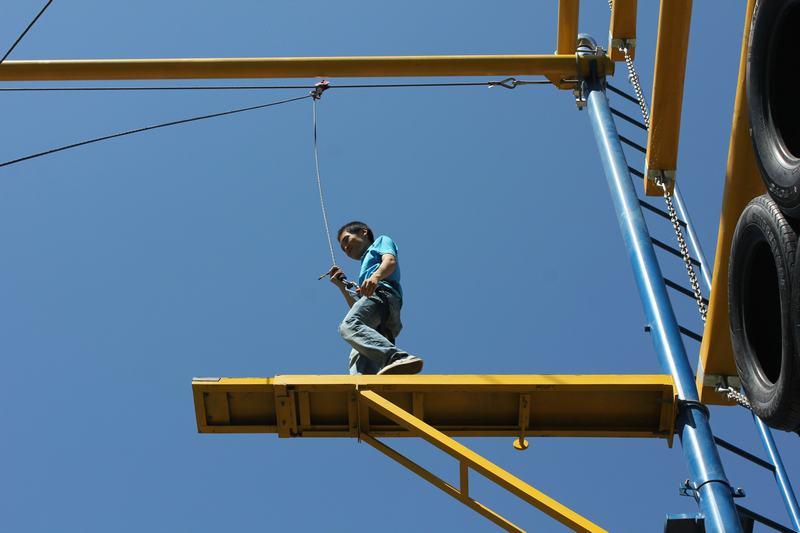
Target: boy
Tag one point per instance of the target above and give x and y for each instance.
(373, 321)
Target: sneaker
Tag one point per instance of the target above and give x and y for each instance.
(408, 364)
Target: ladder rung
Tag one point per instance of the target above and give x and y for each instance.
(763, 519)
(635, 172)
(691, 334)
(742, 453)
(622, 93)
(633, 144)
(628, 118)
(673, 251)
(681, 289)
(660, 212)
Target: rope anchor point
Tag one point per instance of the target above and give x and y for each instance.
(319, 88)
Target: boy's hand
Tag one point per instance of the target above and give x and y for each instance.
(337, 276)
(368, 287)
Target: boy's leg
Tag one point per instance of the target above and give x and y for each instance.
(359, 330)
(361, 365)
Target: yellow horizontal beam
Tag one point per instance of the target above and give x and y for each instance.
(670, 70)
(622, 28)
(458, 405)
(555, 67)
(742, 184)
(567, 38)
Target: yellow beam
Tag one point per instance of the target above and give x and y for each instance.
(480, 464)
(742, 184)
(567, 38)
(670, 70)
(458, 405)
(553, 66)
(622, 28)
(436, 481)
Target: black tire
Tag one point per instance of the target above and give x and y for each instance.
(760, 309)
(772, 64)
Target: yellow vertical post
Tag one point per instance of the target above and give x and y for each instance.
(670, 70)
(622, 28)
(567, 26)
(742, 184)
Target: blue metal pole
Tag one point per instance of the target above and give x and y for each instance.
(784, 484)
(705, 268)
(697, 441)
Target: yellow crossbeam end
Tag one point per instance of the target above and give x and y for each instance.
(554, 67)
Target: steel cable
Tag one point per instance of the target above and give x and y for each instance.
(22, 35)
(148, 128)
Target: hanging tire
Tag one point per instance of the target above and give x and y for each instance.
(760, 309)
(772, 98)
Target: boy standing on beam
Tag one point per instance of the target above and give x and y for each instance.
(373, 322)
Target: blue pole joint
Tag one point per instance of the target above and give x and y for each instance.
(697, 440)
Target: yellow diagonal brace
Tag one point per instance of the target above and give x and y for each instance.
(440, 483)
(480, 464)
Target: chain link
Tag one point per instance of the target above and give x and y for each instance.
(673, 215)
(735, 395)
(730, 392)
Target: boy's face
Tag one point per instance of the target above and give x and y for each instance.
(354, 244)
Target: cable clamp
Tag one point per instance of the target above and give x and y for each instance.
(319, 88)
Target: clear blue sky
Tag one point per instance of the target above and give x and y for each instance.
(130, 266)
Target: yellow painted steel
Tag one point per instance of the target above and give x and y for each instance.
(555, 67)
(567, 38)
(464, 455)
(458, 405)
(670, 70)
(436, 481)
(622, 28)
(742, 183)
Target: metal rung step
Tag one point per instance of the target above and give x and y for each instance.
(659, 212)
(744, 512)
(681, 289)
(691, 334)
(636, 173)
(633, 144)
(673, 251)
(628, 118)
(742, 453)
(622, 93)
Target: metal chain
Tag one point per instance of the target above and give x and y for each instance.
(673, 215)
(736, 396)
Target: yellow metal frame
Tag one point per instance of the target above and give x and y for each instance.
(622, 29)
(567, 38)
(742, 184)
(468, 460)
(629, 406)
(555, 67)
(667, 100)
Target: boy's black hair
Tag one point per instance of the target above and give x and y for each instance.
(354, 227)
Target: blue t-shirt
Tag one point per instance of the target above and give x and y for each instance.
(371, 260)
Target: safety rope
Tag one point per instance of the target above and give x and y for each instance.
(148, 128)
(315, 95)
(25, 31)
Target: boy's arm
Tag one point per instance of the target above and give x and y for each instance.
(387, 268)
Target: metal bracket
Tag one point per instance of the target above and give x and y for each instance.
(690, 489)
(619, 44)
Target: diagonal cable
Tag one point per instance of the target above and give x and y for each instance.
(22, 35)
(148, 128)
